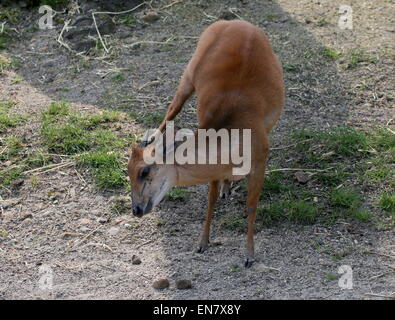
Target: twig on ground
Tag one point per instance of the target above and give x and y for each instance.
(111, 13)
(80, 177)
(60, 37)
(150, 83)
(390, 296)
(149, 42)
(298, 169)
(53, 166)
(170, 5)
(98, 244)
(87, 236)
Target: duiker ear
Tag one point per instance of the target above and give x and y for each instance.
(149, 137)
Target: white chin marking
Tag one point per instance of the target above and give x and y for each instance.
(162, 192)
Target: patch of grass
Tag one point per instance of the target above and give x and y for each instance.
(8, 118)
(89, 138)
(322, 22)
(118, 78)
(151, 119)
(5, 62)
(358, 56)
(331, 276)
(270, 17)
(127, 19)
(387, 203)
(9, 14)
(107, 168)
(234, 222)
(297, 211)
(274, 184)
(345, 198)
(331, 54)
(362, 215)
(177, 194)
(333, 177)
(57, 109)
(321, 146)
(3, 233)
(292, 68)
(17, 80)
(8, 175)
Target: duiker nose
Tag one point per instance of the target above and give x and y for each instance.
(137, 211)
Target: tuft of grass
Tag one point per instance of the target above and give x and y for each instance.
(297, 211)
(57, 109)
(118, 78)
(177, 194)
(128, 20)
(89, 139)
(345, 198)
(339, 143)
(7, 118)
(331, 276)
(5, 62)
(322, 22)
(152, 119)
(270, 17)
(107, 168)
(387, 203)
(8, 175)
(292, 68)
(331, 54)
(358, 56)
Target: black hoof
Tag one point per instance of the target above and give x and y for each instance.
(248, 263)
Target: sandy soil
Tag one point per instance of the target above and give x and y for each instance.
(73, 228)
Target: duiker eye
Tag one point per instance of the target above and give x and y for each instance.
(144, 172)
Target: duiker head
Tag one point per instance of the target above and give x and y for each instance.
(149, 181)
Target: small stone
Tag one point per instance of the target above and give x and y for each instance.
(183, 284)
(26, 215)
(113, 231)
(103, 220)
(9, 203)
(302, 177)
(136, 260)
(151, 16)
(84, 221)
(161, 284)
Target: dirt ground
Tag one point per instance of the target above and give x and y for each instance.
(89, 249)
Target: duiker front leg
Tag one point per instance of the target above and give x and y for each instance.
(212, 199)
(255, 183)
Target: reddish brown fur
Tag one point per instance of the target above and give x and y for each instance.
(238, 82)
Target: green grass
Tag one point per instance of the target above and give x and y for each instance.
(7, 117)
(107, 168)
(152, 119)
(270, 17)
(127, 19)
(331, 54)
(345, 198)
(352, 162)
(358, 56)
(322, 22)
(387, 203)
(5, 62)
(292, 68)
(177, 194)
(118, 78)
(331, 276)
(89, 138)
